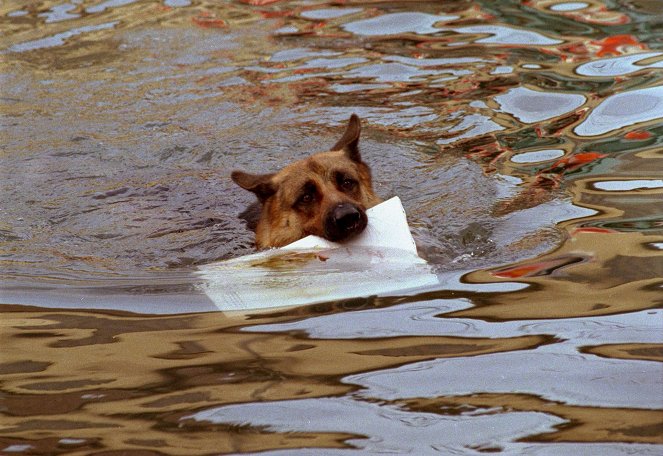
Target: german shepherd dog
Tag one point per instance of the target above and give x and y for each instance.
(326, 194)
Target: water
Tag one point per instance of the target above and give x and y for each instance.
(524, 140)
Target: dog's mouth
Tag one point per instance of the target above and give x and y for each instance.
(344, 222)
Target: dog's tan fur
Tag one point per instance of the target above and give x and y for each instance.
(296, 199)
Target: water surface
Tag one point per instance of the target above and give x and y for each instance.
(524, 139)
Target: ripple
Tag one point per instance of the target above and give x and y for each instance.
(397, 23)
(398, 321)
(538, 156)
(60, 38)
(177, 3)
(287, 30)
(628, 185)
(433, 62)
(531, 106)
(17, 448)
(619, 66)
(329, 13)
(388, 72)
(288, 55)
(101, 7)
(623, 109)
(570, 378)
(60, 13)
(423, 24)
(470, 126)
(331, 63)
(507, 35)
(569, 6)
(381, 426)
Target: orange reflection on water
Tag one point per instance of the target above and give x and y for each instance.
(117, 381)
(580, 278)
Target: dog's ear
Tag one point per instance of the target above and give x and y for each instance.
(349, 142)
(260, 184)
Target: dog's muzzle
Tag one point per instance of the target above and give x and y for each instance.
(344, 221)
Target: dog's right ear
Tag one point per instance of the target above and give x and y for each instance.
(349, 142)
(260, 184)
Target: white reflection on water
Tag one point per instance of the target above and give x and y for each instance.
(569, 6)
(538, 156)
(390, 72)
(619, 66)
(177, 3)
(571, 378)
(59, 13)
(60, 38)
(19, 448)
(470, 126)
(532, 106)
(103, 6)
(559, 448)
(623, 109)
(628, 185)
(427, 319)
(384, 428)
(506, 35)
(288, 55)
(432, 62)
(425, 24)
(396, 23)
(329, 13)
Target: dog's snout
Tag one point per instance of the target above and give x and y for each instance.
(344, 221)
(346, 217)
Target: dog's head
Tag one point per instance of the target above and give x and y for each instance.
(326, 194)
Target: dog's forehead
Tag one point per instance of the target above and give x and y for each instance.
(325, 163)
(321, 165)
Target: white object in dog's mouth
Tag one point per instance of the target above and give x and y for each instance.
(382, 260)
(387, 228)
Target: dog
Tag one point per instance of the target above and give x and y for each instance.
(325, 194)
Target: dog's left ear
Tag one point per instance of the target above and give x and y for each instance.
(260, 184)
(349, 142)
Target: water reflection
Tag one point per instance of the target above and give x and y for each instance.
(563, 377)
(397, 23)
(622, 65)
(372, 428)
(523, 139)
(60, 38)
(329, 13)
(530, 106)
(622, 110)
(569, 6)
(59, 13)
(629, 185)
(507, 35)
(538, 156)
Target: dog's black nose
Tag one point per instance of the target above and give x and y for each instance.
(344, 221)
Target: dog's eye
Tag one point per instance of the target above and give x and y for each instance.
(348, 184)
(306, 198)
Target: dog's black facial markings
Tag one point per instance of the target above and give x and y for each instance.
(345, 182)
(349, 185)
(307, 196)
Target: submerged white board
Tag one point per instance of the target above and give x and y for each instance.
(381, 261)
